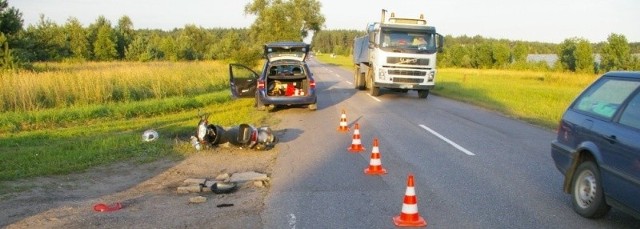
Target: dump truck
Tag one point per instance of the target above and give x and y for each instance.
(398, 54)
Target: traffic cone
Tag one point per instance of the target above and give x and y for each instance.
(375, 164)
(409, 216)
(356, 144)
(343, 123)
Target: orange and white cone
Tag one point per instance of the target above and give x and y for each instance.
(343, 123)
(375, 164)
(409, 216)
(356, 144)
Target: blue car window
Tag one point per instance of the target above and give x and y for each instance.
(631, 115)
(605, 97)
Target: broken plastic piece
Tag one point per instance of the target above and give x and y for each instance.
(107, 208)
(223, 187)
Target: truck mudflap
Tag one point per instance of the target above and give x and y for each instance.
(404, 86)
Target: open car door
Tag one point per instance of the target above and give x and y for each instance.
(243, 81)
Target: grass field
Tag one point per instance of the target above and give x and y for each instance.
(66, 118)
(536, 97)
(75, 136)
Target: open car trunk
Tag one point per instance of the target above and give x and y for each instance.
(287, 85)
(287, 80)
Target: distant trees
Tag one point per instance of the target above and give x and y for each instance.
(104, 46)
(10, 25)
(279, 20)
(339, 42)
(45, 41)
(576, 55)
(124, 35)
(77, 39)
(616, 54)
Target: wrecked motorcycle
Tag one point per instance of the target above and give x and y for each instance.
(243, 136)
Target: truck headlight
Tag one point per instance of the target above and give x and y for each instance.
(431, 75)
(383, 74)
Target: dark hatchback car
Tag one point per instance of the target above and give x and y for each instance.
(598, 146)
(285, 79)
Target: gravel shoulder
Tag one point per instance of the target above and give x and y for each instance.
(147, 192)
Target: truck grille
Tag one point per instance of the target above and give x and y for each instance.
(407, 61)
(407, 80)
(406, 72)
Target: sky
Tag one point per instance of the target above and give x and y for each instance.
(527, 20)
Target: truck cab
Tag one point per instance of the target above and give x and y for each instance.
(397, 54)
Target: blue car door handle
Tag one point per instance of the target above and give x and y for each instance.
(611, 138)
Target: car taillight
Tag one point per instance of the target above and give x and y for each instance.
(260, 84)
(563, 132)
(312, 84)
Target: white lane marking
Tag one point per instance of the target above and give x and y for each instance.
(338, 75)
(374, 98)
(447, 140)
(349, 82)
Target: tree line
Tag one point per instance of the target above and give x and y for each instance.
(276, 20)
(574, 54)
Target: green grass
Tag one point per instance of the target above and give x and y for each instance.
(345, 62)
(70, 139)
(97, 142)
(539, 98)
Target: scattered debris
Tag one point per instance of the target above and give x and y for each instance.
(223, 183)
(242, 136)
(195, 181)
(107, 208)
(224, 187)
(150, 135)
(248, 176)
(197, 200)
(190, 189)
(259, 184)
(223, 177)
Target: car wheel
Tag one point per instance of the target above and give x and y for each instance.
(313, 106)
(587, 195)
(423, 94)
(270, 107)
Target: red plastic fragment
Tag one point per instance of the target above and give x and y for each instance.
(107, 208)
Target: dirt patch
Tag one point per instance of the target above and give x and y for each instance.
(147, 192)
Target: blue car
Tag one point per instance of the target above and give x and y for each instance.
(597, 148)
(285, 80)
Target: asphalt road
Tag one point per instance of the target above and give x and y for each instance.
(473, 168)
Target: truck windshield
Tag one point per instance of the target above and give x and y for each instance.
(408, 40)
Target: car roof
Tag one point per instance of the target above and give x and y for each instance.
(623, 74)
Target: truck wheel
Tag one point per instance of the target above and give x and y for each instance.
(360, 82)
(423, 94)
(373, 90)
(586, 191)
(356, 78)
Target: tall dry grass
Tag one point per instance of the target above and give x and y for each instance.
(58, 85)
